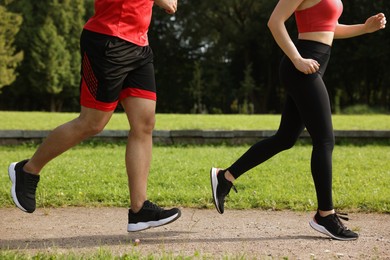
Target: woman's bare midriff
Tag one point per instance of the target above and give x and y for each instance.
(323, 37)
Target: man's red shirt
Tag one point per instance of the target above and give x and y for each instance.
(126, 19)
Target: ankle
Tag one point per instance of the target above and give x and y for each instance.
(325, 213)
(228, 176)
(136, 206)
(31, 170)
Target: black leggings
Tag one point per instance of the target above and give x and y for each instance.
(307, 105)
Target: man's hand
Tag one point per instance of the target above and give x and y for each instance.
(170, 6)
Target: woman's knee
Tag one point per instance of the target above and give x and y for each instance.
(288, 144)
(325, 142)
(285, 142)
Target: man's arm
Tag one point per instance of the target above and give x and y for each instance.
(170, 6)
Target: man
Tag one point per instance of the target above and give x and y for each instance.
(117, 66)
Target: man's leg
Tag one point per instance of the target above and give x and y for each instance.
(90, 122)
(24, 175)
(143, 214)
(141, 115)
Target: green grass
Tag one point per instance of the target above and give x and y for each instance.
(94, 175)
(47, 121)
(284, 182)
(104, 253)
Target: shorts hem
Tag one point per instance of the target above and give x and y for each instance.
(136, 92)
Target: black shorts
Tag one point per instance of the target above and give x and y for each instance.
(113, 69)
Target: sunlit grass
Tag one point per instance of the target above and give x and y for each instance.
(94, 175)
(47, 121)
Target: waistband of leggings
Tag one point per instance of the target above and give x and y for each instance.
(313, 45)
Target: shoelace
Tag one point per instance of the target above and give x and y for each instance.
(32, 184)
(338, 216)
(342, 215)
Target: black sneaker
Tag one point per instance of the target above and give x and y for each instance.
(220, 187)
(23, 188)
(332, 226)
(151, 215)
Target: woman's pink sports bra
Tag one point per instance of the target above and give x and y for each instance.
(321, 17)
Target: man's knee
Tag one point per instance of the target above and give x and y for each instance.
(90, 127)
(148, 125)
(144, 126)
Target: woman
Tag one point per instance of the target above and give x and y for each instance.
(307, 104)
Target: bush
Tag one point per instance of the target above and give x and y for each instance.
(362, 109)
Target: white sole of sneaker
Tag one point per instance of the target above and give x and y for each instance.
(214, 185)
(324, 231)
(145, 225)
(12, 176)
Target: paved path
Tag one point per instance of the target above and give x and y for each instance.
(247, 233)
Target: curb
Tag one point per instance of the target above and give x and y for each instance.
(172, 137)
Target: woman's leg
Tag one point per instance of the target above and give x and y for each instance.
(290, 128)
(312, 100)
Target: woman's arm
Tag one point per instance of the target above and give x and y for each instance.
(372, 24)
(276, 23)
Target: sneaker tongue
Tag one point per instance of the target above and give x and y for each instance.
(150, 205)
(32, 183)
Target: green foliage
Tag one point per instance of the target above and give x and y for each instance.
(362, 110)
(103, 253)
(9, 58)
(49, 39)
(223, 39)
(247, 90)
(50, 59)
(196, 89)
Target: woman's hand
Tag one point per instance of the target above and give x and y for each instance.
(170, 6)
(375, 23)
(307, 66)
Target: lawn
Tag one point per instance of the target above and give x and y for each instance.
(47, 121)
(94, 175)
(361, 172)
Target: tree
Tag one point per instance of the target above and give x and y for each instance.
(228, 40)
(9, 58)
(50, 62)
(49, 37)
(196, 90)
(247, 90)
(226, 37)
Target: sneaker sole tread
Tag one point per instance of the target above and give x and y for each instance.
(133, 227)
(324, 231)
(12, 176)
(214, 184)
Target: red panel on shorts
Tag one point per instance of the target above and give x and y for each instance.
(136, 92)
(88, 100)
